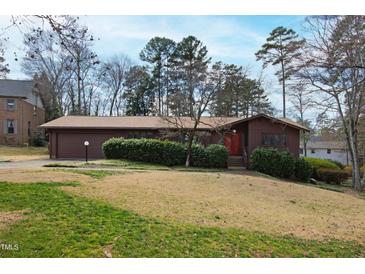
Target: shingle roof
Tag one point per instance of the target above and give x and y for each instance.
(16, 88)
(149, 122)
(326, 145)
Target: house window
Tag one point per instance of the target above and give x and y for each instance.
(328, 151)
(274, 139)
(301, 151)
(10, 127)
(10, 104)
(313, 151)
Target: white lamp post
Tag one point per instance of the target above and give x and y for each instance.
(86, 144)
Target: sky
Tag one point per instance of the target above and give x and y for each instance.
(230, 39)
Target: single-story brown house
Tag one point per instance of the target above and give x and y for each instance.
(240, 135)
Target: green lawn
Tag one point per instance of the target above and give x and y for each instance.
(57, 224)
(97, 174)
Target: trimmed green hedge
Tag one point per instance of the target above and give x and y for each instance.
(164, 152)
(199, 156)
(303, 170)
(273, 162)
(217, 156)
(280, 163)
(145, 150)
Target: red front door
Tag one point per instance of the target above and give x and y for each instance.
(232, 141)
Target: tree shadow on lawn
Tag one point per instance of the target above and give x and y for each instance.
(61, 225)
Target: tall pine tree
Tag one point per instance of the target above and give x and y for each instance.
(158, 53)
(139, 96)
(190, 63)
(281, 49)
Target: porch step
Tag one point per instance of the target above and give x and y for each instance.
(235, 161)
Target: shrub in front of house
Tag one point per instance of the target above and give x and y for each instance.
(274, 162)
(320, 163)
(173, 153)
(303, 170)
(199, 156)
(164, 152)
(145, 150)
(331, 176)
(217, 156)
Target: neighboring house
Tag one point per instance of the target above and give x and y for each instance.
(240, 135)
(21, 111)
(333, 150)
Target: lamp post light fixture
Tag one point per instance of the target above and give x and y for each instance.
(86, 144)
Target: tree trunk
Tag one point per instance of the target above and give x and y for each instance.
(189, 150)
(356, 174)
(112, 103)
(305, 148)
(283, 85)
(78, 74)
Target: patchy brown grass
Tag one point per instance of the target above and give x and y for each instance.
(228, 199)
(10, 153)
(241, 200)
(8, 218)
(40, 175)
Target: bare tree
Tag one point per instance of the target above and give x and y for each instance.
(113, 76)
(203, 96)
(45, 61)
(301, 103)
(62, 50)
(333, 63)
(4, 68)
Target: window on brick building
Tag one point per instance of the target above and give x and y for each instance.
(10, 104)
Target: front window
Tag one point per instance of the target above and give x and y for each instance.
(328, 151)
(274, 140)
(10, 127)
(10, 104)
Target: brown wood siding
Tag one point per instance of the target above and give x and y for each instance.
(259, 126)
(70, 143)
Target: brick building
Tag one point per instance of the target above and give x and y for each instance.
(21, 111)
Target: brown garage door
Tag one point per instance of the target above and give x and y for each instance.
(71, 145)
